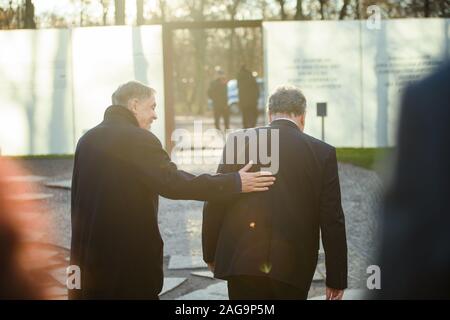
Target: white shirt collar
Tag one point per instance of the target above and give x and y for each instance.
(285, 119)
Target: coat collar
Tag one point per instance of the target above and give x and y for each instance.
(284, 122)
(120, 113)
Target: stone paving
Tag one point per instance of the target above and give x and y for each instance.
(180, 223)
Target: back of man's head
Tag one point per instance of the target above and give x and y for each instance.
(288, 100)
(131, 90)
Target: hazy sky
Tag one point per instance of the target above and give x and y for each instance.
(72, 8)
(57, 6)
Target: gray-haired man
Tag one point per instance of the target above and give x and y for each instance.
(266, 245)
(120, 170)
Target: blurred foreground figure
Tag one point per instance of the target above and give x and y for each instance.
(415, 248)
(22, 266)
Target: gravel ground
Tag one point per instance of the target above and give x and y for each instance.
(180, 221)
(59, 205)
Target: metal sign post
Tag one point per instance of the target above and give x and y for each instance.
(322, 112)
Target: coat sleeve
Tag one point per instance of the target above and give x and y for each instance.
(214, 213)
(332, 226)
(156, 170)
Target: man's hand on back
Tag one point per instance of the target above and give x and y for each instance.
(334, 294)
(255, 181)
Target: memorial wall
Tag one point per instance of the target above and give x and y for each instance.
(36, 105)
(56, 84)
(358, 69)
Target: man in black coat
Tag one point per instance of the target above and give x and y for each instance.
(248, 97)
(415, 252)
(266, 245)
(218, 93)
(120, 169)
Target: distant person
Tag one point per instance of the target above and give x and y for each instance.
(415, 247)
(266, 245)
(218, 93)
(120, 170)
(248, 97)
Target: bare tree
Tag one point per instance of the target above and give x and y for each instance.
(444, 6)
(29, 22)
(282, 9)
(84, 18)
(162, 7)
(343, 11)
(232, 9)
(299, 11)
(119, 6)
(8, 15)
(105, 11)
(322, 9)
(197, 12)
(358, 10)
(140, 12)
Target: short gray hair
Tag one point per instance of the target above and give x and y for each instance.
(287, 99)
(131, 90)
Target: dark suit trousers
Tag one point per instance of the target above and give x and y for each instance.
(249, 116)
(263, 288)
(219, 112)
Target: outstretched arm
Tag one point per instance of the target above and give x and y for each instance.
(158, 172)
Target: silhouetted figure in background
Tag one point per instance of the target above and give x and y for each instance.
(218, 93)
(248, 97)
(415, 246)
